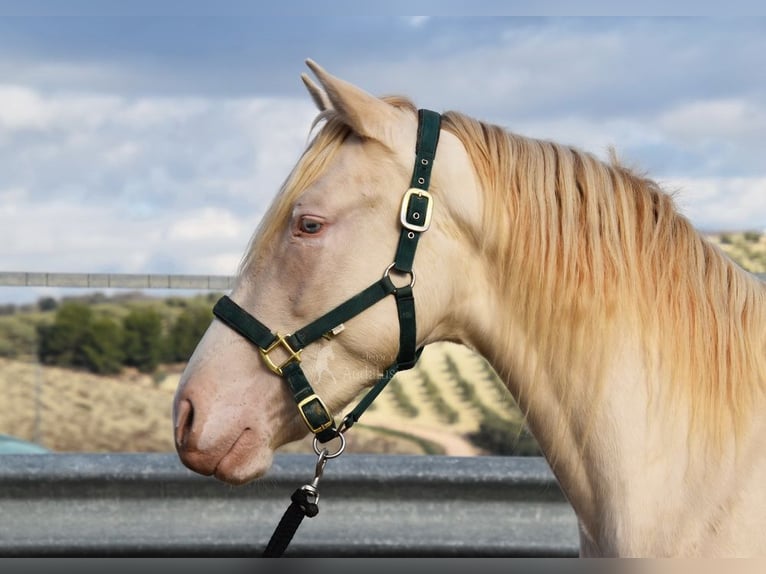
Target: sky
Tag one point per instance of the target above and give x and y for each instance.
(145, 139)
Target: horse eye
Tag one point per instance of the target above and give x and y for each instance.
(310, 226)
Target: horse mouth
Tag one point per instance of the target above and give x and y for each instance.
(232, 461)
(247, 459)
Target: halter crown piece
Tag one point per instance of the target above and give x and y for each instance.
(415, 218)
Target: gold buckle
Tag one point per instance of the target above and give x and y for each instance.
(280, 342)
(419, 227)
(313, 397)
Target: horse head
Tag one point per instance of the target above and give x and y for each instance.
(331, 231)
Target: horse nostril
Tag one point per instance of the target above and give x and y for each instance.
(184, 421)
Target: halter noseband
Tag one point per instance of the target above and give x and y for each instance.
(415, 218)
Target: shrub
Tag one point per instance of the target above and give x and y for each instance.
(444, 411)
(501, 437)
(18, 337)
(401, 399)
(47, 304)
(61, 343)
(142, 343)
(8, 309)
(102, 347)
(186, 332)
(78, 339)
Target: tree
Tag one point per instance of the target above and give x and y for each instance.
(186, 332)
(61, 342)
(142, 341)
(47, 304)
(78, 339)
(501, 437)
(8, 309)
(102, 347)
(18, 337)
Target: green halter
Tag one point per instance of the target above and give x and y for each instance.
(415, 218)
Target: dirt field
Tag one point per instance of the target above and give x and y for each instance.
(76, 411)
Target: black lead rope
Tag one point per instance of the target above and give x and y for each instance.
(303, 503)
(300, 507)
(415, 218)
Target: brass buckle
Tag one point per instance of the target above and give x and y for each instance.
(280, 342)
(426, 223)
(319, 404)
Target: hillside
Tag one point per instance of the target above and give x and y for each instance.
(748, 248)
(66, 410)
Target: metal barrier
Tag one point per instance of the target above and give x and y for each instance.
(150, 505)
(130, 281)
(115, 280)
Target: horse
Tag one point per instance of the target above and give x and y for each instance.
(635, 348)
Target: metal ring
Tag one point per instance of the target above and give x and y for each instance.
(329, 454)
(387, 272)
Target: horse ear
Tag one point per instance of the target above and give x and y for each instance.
(317, 94)
(367, 115)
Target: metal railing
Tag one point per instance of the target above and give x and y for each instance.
(130, 280)
(115, 280)
(404, 506)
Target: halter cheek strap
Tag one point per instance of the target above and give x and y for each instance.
(282, 353)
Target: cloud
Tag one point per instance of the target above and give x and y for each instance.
(20, 108)
(719, 118)
(416, 21)
(524, 69)
(171, 152)
(62, 235)
(92, 182)
(206, 224)
(721, 203)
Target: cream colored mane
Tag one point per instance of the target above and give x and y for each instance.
(582, 248)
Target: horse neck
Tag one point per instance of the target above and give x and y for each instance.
(588, 397)
(585, 300)
(588, 374)
(557, 379)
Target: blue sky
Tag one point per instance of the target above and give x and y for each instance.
(147, 139)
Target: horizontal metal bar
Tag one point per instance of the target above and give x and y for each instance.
(115, 280)
(150, 505)
(129, 280)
